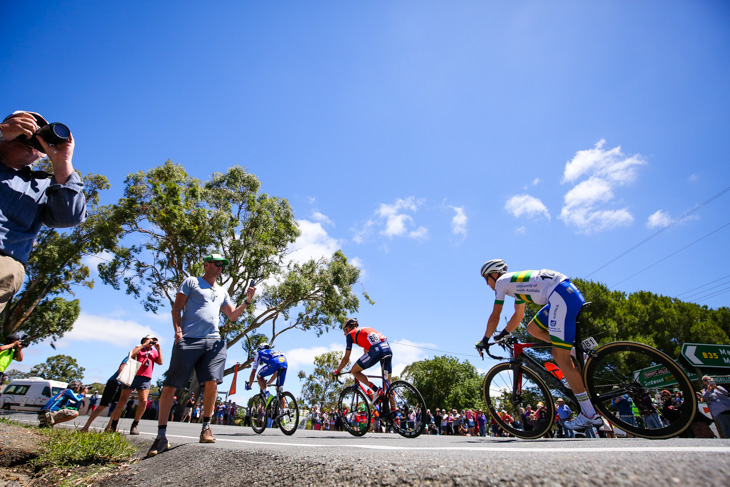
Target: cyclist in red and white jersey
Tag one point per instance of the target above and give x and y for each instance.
(376, 348)
(554, 323)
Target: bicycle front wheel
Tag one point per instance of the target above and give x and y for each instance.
(405, 409)
(355, 411)
(622, 378)
(257, 413)
(508, 391)
(288, 416)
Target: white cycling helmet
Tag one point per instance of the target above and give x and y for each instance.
(263, 346)
(494, 265)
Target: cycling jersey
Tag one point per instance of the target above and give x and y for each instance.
(527, 286)
(365, 337)
(271, 361)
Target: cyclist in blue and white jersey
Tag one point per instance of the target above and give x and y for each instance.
(268, 362)
(554, 323)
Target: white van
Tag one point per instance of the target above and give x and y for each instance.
(29, 394)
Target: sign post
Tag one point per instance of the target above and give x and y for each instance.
(707, 355)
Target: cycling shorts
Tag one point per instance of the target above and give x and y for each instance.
(558, 316)
(275, 366)
(380, 352)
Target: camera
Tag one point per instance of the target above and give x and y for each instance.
(53, 133)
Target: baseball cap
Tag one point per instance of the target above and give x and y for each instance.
(151, 337)
(38, 117)
(216, 257)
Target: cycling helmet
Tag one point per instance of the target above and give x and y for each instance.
(350, 322)
(263, 346)
(494, 265)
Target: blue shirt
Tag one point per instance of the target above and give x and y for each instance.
(269, 357)
(203, 307)
(26, 203)
(564, 411)
(66, 399)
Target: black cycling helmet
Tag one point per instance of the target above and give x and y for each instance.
(350, 322)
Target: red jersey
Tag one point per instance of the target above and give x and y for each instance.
(365, 337)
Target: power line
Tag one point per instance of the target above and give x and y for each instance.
(670, 255)
(678, 220)
(716, 282)
(713, 294)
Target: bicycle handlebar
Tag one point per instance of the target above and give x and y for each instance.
(504, 343)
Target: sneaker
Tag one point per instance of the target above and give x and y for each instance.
(582, 422)
(133, 430)
(158, 446)
(206, 436)
(45, 419)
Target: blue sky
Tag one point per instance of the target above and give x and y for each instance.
(422, 138)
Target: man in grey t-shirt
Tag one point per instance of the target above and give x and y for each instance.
(198, 344)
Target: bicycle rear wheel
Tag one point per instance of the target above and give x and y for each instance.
(405, 409)
(257, 413)
(355, 411)
(288, 416)
(510, 391)
(634, 370)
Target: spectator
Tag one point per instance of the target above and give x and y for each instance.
(564, 413)
(482, 421)
(315, 418)
(670, 407)
(718, 401)
(471, 422)
(196, 413)
(148, 354)
(624, 406)
(188, 411)
(64, 406)
(198, 344)
(93, 401)
(649, 413)
(13, 348)
(110, 396)
(37, 198)
(526, 418)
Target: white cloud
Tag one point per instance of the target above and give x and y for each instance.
(658, 219)
(693, 178)
(459, 221)
(536, 181)
(299, 358)
(520, 230)
(394, 220)
(93, 261)
(321, 218)
(313, 243)
(605, 170)
(524, 204)
(405, 352)
(121, 333)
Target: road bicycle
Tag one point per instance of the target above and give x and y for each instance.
(401, 407)
(609, 372)
(282, 410)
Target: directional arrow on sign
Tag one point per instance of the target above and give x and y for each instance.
(689, 354)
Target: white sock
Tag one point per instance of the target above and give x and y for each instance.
(585, 405)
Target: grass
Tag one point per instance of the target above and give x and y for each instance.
(69, 458)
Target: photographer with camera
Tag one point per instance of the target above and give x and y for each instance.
(12, 350)
(28, 198)
(149, 354)
(718, 401)
(64, 406)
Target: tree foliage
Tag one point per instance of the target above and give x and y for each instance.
(55, 266)
(320, 387)
(445, 382)
(58, 367)
(659, 321)
(169, 221)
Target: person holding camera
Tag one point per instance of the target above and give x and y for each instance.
(64, 406)
(30, 199)
(12, 350)
(718, 401)
(148, 354)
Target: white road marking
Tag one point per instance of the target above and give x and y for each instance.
(579, 445)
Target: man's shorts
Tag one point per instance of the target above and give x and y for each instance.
(268, 369)
(377, 353)
(12, 275)
(139, 383)
(59, 416)
(112, 390)
(558, 316)
(205, 356)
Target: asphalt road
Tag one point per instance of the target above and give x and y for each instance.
(241, 457)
